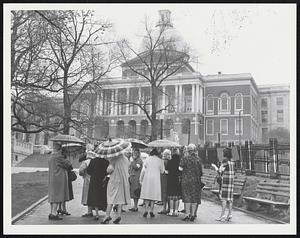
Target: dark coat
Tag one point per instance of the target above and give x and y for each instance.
(98, 185)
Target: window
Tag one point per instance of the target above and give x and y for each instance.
(210, 104)
(224, 103)
(238, 101)
(279, 101)
(210, 127)
(264, 102)
(264, 134)
(224, 126)
(279, 115)
(186, 126)
(264, 116)
(187, 99)
(239, 126)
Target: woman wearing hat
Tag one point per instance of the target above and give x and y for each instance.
(135, 168)
(86, 180)
(150, 181)
(118, 185)
(97, 187)
(226, 192)
(191, 168)
(58, 189)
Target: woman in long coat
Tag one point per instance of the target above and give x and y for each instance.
(191, 168)
(135, 169)
(58, 189)
(86, 181)
(118, 192)
(150, 180)
(97, 187)
(173, 184)
(227, 169)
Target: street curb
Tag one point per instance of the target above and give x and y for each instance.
(252, 213)
(27, 210)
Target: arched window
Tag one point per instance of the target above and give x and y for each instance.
(132, 129)
(238, 103)
(210, 104)
(168, 126)
(120, 129)
(186, 126)
(224, 103)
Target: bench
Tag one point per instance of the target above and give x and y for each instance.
(270, 194)
(210, 180)
(238, 187)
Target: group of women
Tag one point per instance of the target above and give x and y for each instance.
(164, 176)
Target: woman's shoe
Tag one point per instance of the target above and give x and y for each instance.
(192, 218)
(65, 213)
(96, 218)
(54, 217)
(87, 215)
(163, 212)
(145, 214)
(187, 218)
(229, 217)
(222, 219)
(106, 220)
(59, 211)
(133, 209)
(117, 221)
(152, 214)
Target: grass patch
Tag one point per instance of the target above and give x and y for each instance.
(27, 188)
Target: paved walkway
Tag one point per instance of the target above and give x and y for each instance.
(207, 213)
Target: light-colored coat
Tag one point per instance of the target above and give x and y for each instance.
(150, 178)
(86, 180)
(118, 184)
(58, 189)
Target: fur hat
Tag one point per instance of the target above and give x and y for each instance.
(191, 147)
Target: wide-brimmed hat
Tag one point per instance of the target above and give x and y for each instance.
(112, 148)
(67, 139)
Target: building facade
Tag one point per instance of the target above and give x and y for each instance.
(274, 109)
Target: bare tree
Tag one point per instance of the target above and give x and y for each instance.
(66, 60)
(163, 55)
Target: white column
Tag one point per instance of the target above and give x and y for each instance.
(180, 99)
(201, 99)
(97, 104)
(193, 97)
(127, 106)
(116, 99)
(140, 99)
(163, 98)
(101, 103)
(176, 98)
(112, 102)
(197, 98)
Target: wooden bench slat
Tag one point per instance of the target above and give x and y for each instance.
(281, 189)
(274, 184)
(273, 193)
(260, 200)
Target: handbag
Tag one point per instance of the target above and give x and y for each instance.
(72, 175)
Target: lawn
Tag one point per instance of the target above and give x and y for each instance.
(27, 188)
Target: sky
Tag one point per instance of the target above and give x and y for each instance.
(233, 38)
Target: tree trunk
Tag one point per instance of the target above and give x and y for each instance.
(67, 106)
(154, 125)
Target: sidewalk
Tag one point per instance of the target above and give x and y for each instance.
(207, 213)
